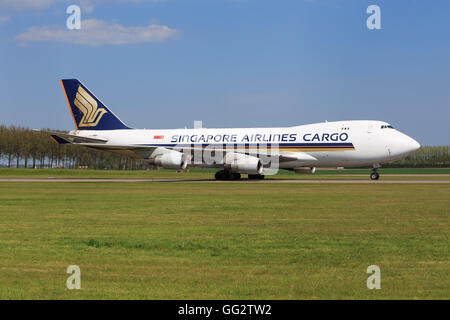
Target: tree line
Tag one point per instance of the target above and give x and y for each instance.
(22, 147)
(426, 156)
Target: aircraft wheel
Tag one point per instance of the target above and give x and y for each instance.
(235, 176)
(255, 176)
(225, 175)
(220, 175)
(374, 176)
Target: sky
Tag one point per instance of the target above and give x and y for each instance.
(230, 63)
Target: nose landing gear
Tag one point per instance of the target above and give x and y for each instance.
(375, 175)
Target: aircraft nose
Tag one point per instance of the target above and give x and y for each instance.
(400, 145)
(413, 144)
(409, 145)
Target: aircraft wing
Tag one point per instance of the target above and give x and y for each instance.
(282, 156)
(145, 152)
(296, 156)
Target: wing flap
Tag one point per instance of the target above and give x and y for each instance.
(283, 156)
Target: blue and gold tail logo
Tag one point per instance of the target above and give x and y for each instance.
(88, 112)
(89, 108)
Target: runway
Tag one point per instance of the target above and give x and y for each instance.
(323, 181)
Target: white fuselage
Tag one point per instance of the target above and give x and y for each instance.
(340, 143)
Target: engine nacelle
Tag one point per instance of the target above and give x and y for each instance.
(170, 160)
(242, 163)
(305, 170)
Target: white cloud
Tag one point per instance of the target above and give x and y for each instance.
(95, 32)
(4, 19)
(88, 5)
(25, 4)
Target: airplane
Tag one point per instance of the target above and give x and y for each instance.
(251, 151)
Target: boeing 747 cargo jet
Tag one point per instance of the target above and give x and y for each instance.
(252, 151)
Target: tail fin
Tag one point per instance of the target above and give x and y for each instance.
(88, 112)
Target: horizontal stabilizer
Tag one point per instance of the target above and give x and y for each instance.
(64, 138)
(59, 140)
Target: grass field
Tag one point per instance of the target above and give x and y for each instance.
(223, 240)
(363, 174)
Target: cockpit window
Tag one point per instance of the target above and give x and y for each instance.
(385, 126)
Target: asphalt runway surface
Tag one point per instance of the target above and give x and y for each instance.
(409, 181)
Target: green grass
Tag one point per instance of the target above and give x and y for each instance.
(363, 174)
(223, 241)
(89, 173)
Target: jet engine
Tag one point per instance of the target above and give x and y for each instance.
(305, 170)
(242, 163)
(170, 160)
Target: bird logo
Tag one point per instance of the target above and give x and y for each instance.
(89, 108)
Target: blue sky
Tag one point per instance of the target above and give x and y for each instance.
(231, 63)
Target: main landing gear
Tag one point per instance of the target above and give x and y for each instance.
(375, 175)
(255, 176)
(227, 175)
